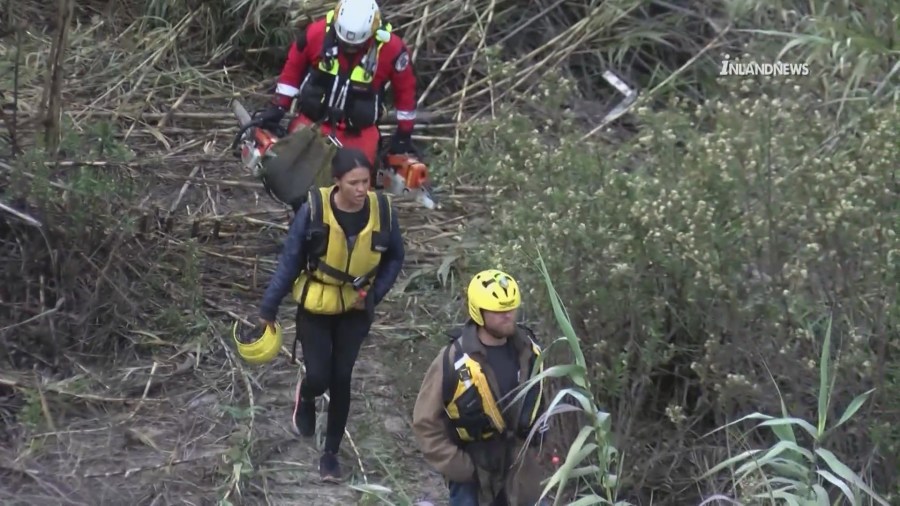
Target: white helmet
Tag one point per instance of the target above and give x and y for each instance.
(355, 21)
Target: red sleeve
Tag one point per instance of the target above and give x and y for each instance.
(298, 61)
(403, 82)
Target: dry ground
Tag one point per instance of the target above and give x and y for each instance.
(191, 424)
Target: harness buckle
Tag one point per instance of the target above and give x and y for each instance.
(359, 282)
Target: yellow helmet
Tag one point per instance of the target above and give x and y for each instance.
(261, 350)
(492, 290)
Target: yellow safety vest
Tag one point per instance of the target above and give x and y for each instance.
(365, 70)
(326, 285)
(471, 405)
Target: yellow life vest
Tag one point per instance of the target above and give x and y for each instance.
(471, 404)
(335, 272)
(365, 70)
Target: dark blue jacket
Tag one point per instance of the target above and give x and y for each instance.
(293, 259)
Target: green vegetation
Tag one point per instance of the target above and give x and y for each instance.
(714, 276)
(700, 258)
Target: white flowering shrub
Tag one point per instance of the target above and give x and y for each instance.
(693, 256)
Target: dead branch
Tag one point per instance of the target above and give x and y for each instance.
(22, 385)
(22, 216)
(134, 470)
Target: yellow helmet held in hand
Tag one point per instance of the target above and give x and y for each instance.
(258, 345)
(492, 290)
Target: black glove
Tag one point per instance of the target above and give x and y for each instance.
(401, 143)
(271, 115)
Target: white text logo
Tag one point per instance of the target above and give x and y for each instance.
(778, 68)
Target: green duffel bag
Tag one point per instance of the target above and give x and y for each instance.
(296, 163)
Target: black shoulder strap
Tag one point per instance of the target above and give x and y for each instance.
(528, 331)
(448, 375)
(384, 211)
(329, 41)
(383, 237)
(316, 235)
(316, 209)
(454, 333)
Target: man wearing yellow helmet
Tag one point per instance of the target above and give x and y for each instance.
(342, 255)
(469, 419)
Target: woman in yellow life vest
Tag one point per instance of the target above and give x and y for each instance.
(342, 255)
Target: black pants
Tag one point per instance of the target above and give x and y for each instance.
(330, 345)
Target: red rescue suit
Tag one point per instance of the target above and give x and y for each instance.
(328, 82)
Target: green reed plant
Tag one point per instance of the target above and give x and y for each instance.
(592, 464)
(799, 473)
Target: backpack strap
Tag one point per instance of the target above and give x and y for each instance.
(382, 238)
(528, 332)
(316, 231)
(384, 211)
(314, 197)
(448, 381)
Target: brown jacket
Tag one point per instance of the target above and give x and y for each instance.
(433, 432)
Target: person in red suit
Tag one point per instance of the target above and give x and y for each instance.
(337, 70)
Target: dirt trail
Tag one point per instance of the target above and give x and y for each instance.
(173, 426)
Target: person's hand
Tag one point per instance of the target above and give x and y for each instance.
(360, 304)
(271, 116)
(252, 334)
(401, 143)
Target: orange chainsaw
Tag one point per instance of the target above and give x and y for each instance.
(404, 174)
(255, 148)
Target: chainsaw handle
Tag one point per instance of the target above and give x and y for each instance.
(242, 130)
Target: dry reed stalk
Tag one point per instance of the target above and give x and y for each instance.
(489, 13)
(52, 97)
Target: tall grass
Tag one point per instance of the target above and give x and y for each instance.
(796, 473)
(592, 461)
(800, 475)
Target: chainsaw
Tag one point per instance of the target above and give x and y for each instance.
(290, 163)
(406, 174)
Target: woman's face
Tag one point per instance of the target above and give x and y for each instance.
(354, 186)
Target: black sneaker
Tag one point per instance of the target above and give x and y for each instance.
(304, 417)
(329, 468)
